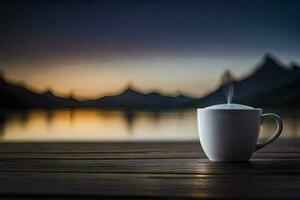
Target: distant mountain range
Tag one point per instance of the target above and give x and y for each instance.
(18, 96)
(131, 98)
(270, 84)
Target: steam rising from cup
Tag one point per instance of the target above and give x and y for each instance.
(228, 86)
(230, 93)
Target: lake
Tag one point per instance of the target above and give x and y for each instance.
(115, 125)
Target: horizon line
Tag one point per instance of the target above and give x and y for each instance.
(130, 84)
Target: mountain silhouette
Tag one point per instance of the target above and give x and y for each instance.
(131, 98)
(269, 84)
(268, 75)
(56, 101)
(286, 96)
(15, 95)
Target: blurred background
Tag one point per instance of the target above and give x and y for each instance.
(136, 70)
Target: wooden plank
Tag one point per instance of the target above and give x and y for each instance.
(140, 185)
(146, 155)
(153, 166)
(282, 145)
(145, 170)
(282, 149)
(98, 147)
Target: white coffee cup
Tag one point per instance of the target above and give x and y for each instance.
(229, 132)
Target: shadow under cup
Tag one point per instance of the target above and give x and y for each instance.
(229, 135)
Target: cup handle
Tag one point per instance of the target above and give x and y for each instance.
(276, 134)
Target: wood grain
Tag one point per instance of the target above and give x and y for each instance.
(174, 170)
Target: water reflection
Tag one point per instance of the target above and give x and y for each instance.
(114, 125)
(130, 116)
(2, 122)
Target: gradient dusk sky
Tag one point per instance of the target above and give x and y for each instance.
(92, 48)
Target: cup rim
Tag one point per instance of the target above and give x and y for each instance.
(229, 110)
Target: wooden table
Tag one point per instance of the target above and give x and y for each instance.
(144, 170)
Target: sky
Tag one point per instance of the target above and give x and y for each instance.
(94, 48)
